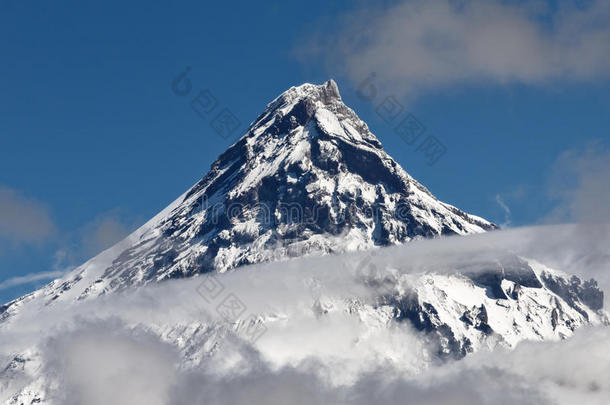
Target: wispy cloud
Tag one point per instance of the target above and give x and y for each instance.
(30, 278)
(506, 210)
(417, 45)
(23, 219)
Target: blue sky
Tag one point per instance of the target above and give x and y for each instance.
(94, 142)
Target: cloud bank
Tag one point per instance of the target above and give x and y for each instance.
(110, 361)
(419, 45)
(120, 348)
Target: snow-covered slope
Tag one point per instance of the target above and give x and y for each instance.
(307, 177)
(510, 301)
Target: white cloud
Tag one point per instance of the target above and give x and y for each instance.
(418, 45)
(107, 363)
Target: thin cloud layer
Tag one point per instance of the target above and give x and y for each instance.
(415, 45)
(30, 278)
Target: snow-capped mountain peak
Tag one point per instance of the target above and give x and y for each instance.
(309, 178)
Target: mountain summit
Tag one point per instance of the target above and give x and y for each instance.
(306, 172)
(308, 176)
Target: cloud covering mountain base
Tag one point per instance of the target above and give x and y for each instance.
(165, 344)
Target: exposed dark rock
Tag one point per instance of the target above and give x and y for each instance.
(489, 274)
(477, 318)
(555, 318)
(424, 317)
(517, 270)
(575, 290)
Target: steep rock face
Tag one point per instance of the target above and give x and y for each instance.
(307, 176)
(514, 301)
(575, 291)
(491, 274)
